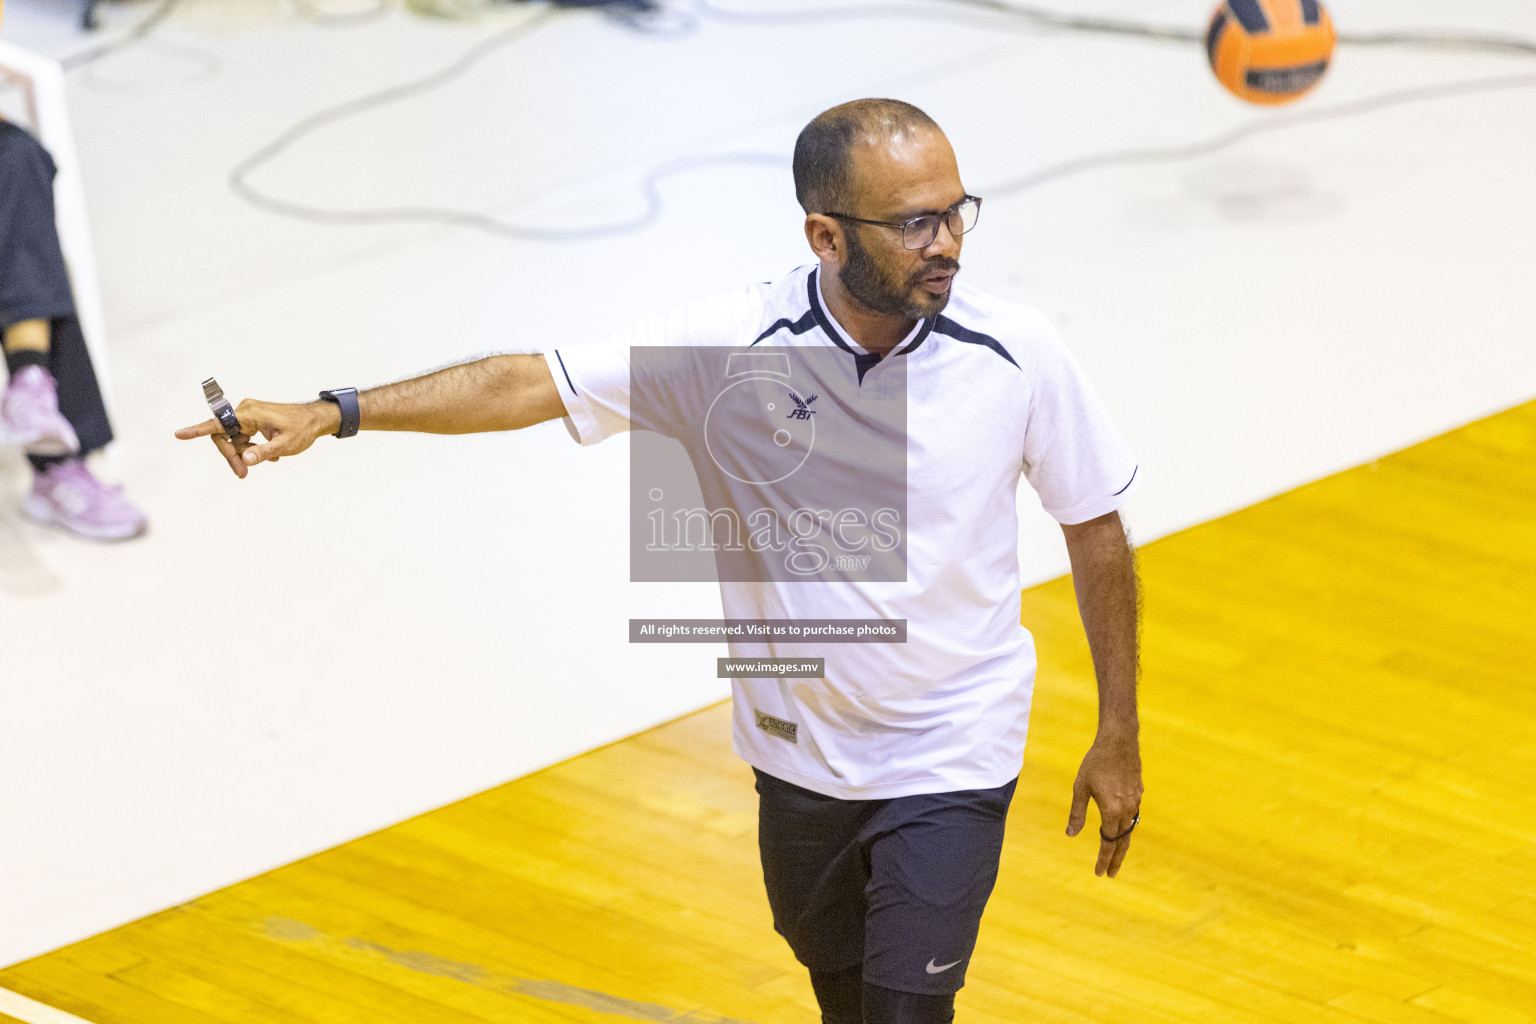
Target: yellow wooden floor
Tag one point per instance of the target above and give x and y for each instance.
(1340, 821)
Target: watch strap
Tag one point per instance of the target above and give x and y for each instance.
(346, 400)
(227, 418)
(221, 409)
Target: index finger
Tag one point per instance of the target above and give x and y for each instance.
(202, 429)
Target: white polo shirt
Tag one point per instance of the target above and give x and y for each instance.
(991, 393)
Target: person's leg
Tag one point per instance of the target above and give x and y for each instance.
(51, 404)
(815, 873)
(29, 406)
(888, 1006)
(64, 419)
(933, 862)
(35, 297)
(840, 994)
(69, 360)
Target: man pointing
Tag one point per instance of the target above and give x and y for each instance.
(884, 784)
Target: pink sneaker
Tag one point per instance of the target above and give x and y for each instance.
(29, 415)
(68, 496)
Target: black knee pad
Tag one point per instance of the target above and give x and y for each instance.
(887, 1006)
(840, 994)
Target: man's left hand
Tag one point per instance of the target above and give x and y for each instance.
(1111, 775)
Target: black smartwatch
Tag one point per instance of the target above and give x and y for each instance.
(346, 400)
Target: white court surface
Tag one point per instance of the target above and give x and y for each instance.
(393, 622)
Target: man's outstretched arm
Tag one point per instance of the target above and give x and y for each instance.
(1104, 576)
(503, 392)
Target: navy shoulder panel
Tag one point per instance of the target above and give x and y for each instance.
(805, 323)
(947, 327)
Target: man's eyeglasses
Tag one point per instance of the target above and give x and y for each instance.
(919, 232)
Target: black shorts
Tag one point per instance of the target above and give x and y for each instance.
(897, 885)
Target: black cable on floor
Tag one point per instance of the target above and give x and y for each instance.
(1048, 18)
(945, 10)
(132, 37)
(458, 218)
(1233, 136)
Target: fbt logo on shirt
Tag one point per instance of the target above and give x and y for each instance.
(770, 464)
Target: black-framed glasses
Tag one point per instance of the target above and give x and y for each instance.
(919, 232)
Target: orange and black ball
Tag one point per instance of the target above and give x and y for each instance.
(1270, 51)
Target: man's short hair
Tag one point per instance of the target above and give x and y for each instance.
(824, 151)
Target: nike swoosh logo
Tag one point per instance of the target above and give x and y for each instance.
(940, 968)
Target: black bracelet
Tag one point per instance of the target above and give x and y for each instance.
(346, 400)
(1129, 829)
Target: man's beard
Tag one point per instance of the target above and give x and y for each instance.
(873, 288)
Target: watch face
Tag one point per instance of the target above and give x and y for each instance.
(759, 430)
(221, 409)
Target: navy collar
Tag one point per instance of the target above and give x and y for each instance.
(864, 360)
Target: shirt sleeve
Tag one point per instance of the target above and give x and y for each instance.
(620, 383)
(1074, 456)
(34, 284)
